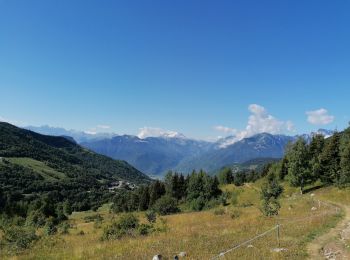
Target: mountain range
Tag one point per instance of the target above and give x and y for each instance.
(78, 136)
(156, 155)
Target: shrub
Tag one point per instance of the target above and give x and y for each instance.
(151, 216)
(198, 204)
(166, 205)
(50, 228)
(112, 232)
(163, 227)
(36, 219)
(270, 208)
(223, 199)
(126, 225)
(19, 238)
(128, 221)
(144, 229)
(64, 228)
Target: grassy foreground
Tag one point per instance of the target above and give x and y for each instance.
(203, 235)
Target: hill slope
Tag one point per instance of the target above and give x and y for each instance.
(63, 155)
(32, 164)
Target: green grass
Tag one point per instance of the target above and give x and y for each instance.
(201, 234)
(39, 167)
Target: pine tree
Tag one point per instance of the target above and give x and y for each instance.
(283, 169)
(156, 190)
(270, 192)
(298, 165)
(315, 150)
(67, 207)
(344, 150)
(330, 160)
(144, 198)
(168, 182)
(182, 187)
(225, 176)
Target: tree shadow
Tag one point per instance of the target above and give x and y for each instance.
(311, 189)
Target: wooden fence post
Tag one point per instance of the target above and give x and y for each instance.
(278, 235)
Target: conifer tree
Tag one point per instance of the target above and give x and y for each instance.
(270, 192)
(283, 169)
(156, 190)
(298, 165)
(330, 160)
(144, 198)
(225, 176)
(344, 150)
(315, 149)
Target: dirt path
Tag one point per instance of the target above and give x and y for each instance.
(332, 245)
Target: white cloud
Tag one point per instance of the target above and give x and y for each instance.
(157, 132)
(260, 121)
(290, 126)
(224, 129)
(319, 117)
(103, 126)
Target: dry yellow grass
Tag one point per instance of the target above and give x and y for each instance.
(201, 234)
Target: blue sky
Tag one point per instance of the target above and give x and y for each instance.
(191, 66)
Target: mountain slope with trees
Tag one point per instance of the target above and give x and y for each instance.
(325, 160)
(64, 155)
(48, 177)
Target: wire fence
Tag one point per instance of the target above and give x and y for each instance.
(277, 227)
(246, 242)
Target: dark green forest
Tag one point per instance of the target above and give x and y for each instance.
(196, 191)
(71, 178)
(322, 161)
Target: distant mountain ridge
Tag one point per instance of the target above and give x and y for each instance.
(152, 155)
(156, 155)
(259, 146)
(78, 136)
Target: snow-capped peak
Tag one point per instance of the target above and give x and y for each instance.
(326, 133)
(172, 134)
(226, 141)
(159, 132)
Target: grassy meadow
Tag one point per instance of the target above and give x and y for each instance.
(202, 235)
(41, 168)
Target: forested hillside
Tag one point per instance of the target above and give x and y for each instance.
(324, 160)
(52, 176)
